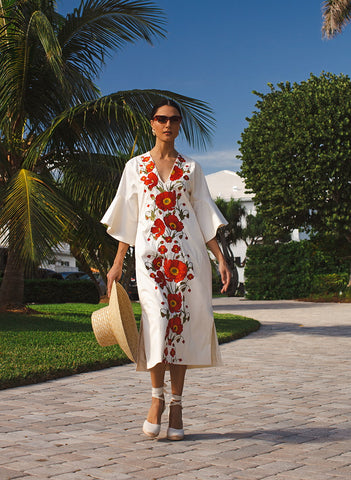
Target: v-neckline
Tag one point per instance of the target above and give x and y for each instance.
(170, 172)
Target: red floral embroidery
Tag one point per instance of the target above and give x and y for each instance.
(176, 173)
(160, 279)
(166, 212)
(151, 180)
(162, 249)
(157, 263)
(166, 200)
(158, 228)
(175, 324)
(174, 302)
(175, 270)
(173, 223)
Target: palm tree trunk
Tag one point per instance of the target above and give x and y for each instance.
(12, 286)
(85, 266)
(229, 258)
(129, 268)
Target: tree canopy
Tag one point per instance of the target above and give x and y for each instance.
(296, 155)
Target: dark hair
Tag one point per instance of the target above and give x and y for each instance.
(162, 103)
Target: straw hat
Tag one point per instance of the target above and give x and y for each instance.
(116, 323)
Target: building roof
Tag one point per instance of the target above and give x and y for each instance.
(227, 184)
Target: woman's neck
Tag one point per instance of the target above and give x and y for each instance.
(164, 151)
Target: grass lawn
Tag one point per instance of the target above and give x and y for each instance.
(57, 340)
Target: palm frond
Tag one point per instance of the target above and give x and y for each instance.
(35, 215)
(198, 121)
(111, 124)
(98, 27)
(101, 126)
(40, 26)
(4, 163)
(336, 15)
(93, 243)
(32, 70)
(90, 180)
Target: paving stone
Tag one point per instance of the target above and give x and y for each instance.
(277, 411)
(9, 474)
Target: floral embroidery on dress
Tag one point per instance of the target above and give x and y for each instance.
(171, 270)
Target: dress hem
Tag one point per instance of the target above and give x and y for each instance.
(144, 369)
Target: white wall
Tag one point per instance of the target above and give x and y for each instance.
(62, 260)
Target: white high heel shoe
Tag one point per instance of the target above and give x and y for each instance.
(153, 429)
(175, 433)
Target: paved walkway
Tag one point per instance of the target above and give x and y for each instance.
(280, 410)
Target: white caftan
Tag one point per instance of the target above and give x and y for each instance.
(169, 223)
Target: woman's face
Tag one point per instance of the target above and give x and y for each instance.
(166, 123)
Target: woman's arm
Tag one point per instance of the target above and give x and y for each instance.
(115, 271)
(222, 264)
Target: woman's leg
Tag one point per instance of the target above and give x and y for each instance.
(177, 373)
(157, 405)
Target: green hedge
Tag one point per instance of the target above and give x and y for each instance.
(286, 270)
(60, 291)
(329, 283)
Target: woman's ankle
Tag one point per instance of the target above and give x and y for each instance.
(175, 417)
(156, 410)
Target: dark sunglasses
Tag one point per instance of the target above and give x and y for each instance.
(163, 119)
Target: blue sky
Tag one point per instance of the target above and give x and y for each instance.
(220, 52)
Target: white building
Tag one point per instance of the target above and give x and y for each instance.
(226, 185)
(62, 260)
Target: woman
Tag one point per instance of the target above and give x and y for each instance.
(164, 208)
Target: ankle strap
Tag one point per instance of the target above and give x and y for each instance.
(176, 400)
(158, 392)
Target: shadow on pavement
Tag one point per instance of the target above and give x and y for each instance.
(269, 305)
(268, 329)
(295, 435)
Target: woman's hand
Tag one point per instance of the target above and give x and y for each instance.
(222, 264)
(115, 271)
(113, 275)
(225, 275)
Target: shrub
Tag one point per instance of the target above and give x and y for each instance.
(286, 270)
(60, 291)
(329, 283)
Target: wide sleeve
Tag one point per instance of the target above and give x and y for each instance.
(121, 217)
(207, 213)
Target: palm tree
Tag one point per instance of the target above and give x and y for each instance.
(230, 234)
(336, 15)
(58, 136)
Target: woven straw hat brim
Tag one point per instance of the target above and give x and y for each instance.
(116, 323)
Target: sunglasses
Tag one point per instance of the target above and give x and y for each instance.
(163, 119)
